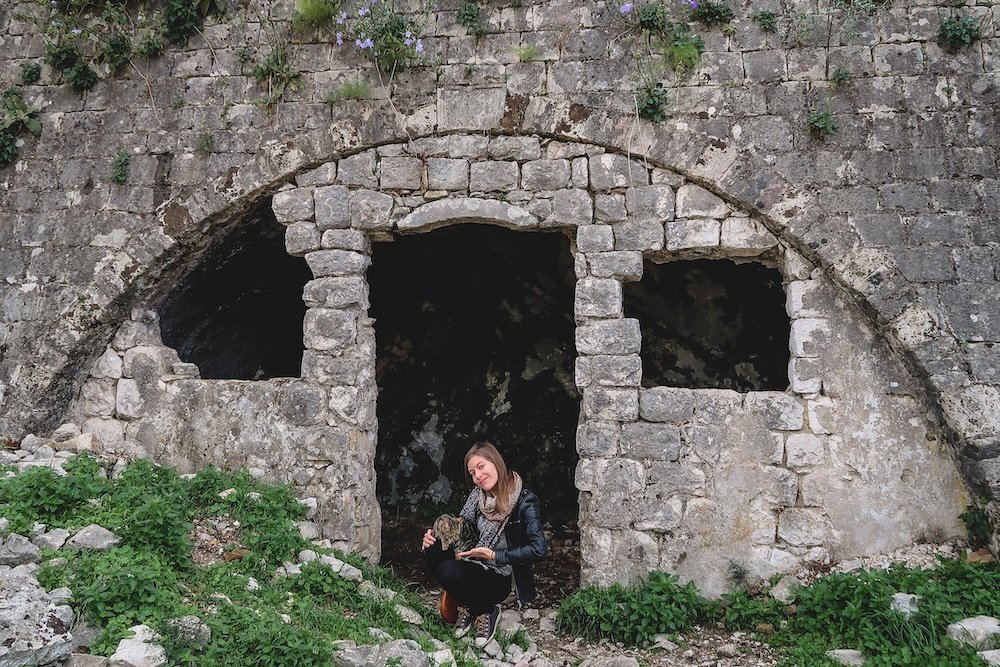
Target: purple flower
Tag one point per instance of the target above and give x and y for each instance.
(372, 2)
(76, 31)
(357, 43)
(693, 4)
(363, 11)
(340, 38)
(420, 46)
(627, 8)
(340, 19)
(54, 3)
(367, 43)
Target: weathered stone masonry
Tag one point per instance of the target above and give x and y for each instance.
(895, 216)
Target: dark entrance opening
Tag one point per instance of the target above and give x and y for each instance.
(238, 312)
(711, 324)
(474, 330)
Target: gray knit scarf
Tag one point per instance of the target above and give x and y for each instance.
(486, 505)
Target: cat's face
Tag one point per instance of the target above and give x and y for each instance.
(483, 473)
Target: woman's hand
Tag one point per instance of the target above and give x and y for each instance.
(479, 552)
(429, 539)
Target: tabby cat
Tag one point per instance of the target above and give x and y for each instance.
(453, 532)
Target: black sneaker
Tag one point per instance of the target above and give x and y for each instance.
(464, 622)
(486, 626)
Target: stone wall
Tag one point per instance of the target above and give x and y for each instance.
(895, 214)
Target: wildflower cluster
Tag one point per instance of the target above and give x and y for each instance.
(381, 30)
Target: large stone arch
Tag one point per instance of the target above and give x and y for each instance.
(672, 479)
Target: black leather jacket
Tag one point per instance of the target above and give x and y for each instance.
(525, 544)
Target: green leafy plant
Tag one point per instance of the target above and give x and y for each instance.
(767, 20)
(80, 77)
(352, 90)
(30, 74)
(115, 51)
(276, 75)
(387, 36)
(821, 123)
(651, 101)
(633, 615)
(181, 21)
(314, 14)
(527, 52)
(119, 169)
(958, 32)
(150, 46)
(62, 55)
(680, 48)
(653, 17)
(840, 77)
(709, 13)
(977, 526)
(469, 16)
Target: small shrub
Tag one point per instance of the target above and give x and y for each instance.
(977, 526)
(115, 51)
(8, 147)
(160, 526)
(681, 49)
(840, 77)
(651, 101)
(353, 90)
(276, 75)
(469, 16)
(767, 20)
(958, 32)
(81, 77)
(821, 123)
(527, 52)
(387, 36)
(30, 74)
(709, 13)
(181, 21)
(654, 17)
(150, 47)
(62, 55)
(119, 169)
(314, 14)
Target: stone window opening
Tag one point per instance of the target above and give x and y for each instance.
(711, 324)
(237, 312)
(474, 340)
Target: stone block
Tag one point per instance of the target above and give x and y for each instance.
(666, 404)
(780, 487)
(97, 398)
(595, 438)
(370, 210)
(670, 478)
(571, 207)
(780, 411)
(107, 366)
(693, 234)
(980, 632)
(898, 59)
(804, 375)
(594, 238)
(609, 171)
(609, 371)
(809, 337)
(464, 209)
(802, 527)
(804, 299)
(658, 442)
(656, 514)
(329, 330)
(821, 413)
(696, 202)
(580, 173)
(622, 264)
(611, 404)
(346, 239)
(745, 237)
(616, 337)
(650, 202)
(329, 369)
(301, 237)
(545, 175)
(32, 628)
(639, 235)
(336, 292)
(514, 148)
(293, 205)
(494, 177)
(337, 263)
(325, 174)
(107, 432)
(804, 451)
(447, 174)
(621, 474)
(358, 170)
(764, 65)
(333, 207)
(128, 401)
(617, 556)
(610, 208)
(401, 173)
(598, 297)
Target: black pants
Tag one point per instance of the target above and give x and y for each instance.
(476, 587)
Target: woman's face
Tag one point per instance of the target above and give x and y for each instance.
(483, 473)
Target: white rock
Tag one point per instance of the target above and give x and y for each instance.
(139, 650)
(990, 657)
(981, 632)
(33, 630)
(906, 604)
(18, 550)
(408, 615)
(847, 656)
(65, 432)
(93, 537)
(351, 573)
(784, 590)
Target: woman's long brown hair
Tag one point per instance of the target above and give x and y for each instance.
(505, 478)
